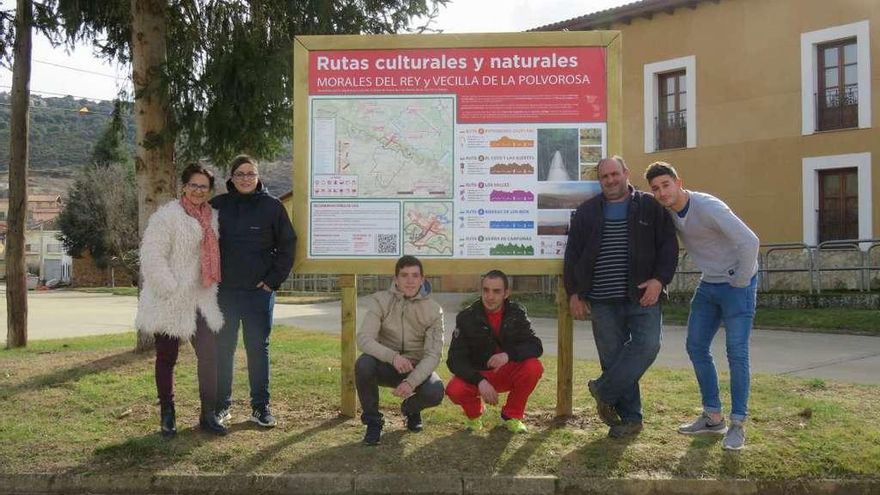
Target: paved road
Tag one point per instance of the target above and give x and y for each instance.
(850, 358)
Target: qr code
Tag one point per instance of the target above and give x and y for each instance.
(386, 243)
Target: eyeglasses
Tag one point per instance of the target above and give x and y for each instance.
(243, 175)
(198, 187)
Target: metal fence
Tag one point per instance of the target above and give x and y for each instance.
(330, 283)
(796, 267)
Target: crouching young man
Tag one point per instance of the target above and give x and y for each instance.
(401, 338)
(494, 350)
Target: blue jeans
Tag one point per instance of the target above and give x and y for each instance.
(628, 338)
(713, 303)
(252, 309)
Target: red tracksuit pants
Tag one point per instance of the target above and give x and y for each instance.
(518, 378)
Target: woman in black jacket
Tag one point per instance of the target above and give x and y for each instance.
(257, 245)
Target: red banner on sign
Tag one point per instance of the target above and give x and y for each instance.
(535, 84)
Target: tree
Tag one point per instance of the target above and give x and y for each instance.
(111, 147)
(228, 74)
(100, 216)
(19, 30)
(16, 270)
(224, 85)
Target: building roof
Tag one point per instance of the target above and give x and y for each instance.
(44, 198)
(624, 13)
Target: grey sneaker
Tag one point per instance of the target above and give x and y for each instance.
(735, 438)
(703, 425)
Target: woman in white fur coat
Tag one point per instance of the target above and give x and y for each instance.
(180, 264)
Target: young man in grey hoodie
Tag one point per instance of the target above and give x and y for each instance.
(726, 252)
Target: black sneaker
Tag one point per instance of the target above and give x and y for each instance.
(208, 421)
(374, 434)
(263, 417)
(414, 422)
(606, 411)
(224, 415)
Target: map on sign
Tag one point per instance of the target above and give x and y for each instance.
(427, 228)
(383, 147)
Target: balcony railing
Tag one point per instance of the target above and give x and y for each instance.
(671, 130)
(838, 108)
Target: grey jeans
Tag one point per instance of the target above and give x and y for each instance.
(371, 373)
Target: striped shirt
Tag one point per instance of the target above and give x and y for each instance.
(610, 273)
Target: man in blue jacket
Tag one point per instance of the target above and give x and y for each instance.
(621, 253)
(257, 245)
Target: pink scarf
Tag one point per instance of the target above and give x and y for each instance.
(210, 255)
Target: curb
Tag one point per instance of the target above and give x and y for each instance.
(396, 484)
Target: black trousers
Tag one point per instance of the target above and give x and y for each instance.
(371, 373)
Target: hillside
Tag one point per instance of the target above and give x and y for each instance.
(62, 138)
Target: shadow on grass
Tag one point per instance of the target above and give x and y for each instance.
(463, 452)
(254, 461)
(355, 457)
(521, 457)
(730, 463)
(598, 458)
(149, 453)
(73, 374)
(404, 452)
(693, 462)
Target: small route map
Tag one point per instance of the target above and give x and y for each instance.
(390, 147)
(427, 228)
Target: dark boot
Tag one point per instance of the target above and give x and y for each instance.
(208, 420)
(168, 420)
(373, 436)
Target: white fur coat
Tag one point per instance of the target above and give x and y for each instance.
(172, 275)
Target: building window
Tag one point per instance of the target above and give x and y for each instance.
(2, 216)
(672, 115)
(836, 78)
(838, 204)
(53, 247)
(837, 198)
(838, 96)
(670, 104)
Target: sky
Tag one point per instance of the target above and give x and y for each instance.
(56, 72)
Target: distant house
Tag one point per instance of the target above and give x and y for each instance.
(41, 208)
(45, 256)
(44, 207)
(44, 253)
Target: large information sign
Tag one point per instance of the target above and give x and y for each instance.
(469, 151)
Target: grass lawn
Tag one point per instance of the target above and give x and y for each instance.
(116, 291)
(88, 405)
(294, 297)
(831, 320)
(286, 297)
